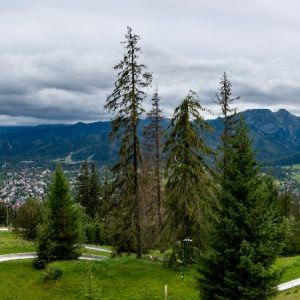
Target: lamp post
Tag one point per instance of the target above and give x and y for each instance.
(186, 242)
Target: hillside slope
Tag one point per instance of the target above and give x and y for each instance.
(276, 137)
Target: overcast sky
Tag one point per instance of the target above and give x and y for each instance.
(56, 56)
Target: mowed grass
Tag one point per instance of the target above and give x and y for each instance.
(121, 278)
(289, 266)
(292, 294)
(14, 243)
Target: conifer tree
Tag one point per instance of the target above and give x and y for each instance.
(153, 133)
(225, 100)
(59, 235)
(88, 190)
(285, 203)
(83, 185)
(288, 205)
(94, 206)
(106, 202)
(3, 213)
(244, 232)
(189, 183)
(125, 102)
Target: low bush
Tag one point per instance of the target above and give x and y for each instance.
(52, 273)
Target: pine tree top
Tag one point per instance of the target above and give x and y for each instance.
(132, 78)
(187, 125)
(59, 193)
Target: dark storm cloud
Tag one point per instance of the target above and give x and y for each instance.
(54, 86)
(66, 87)
(56, 58)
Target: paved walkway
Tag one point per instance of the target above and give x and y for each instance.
(31, 255)
(289, 284)
(16, 256)
(96, 248)
(4, 229)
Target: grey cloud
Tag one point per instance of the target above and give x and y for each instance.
(61, 86)
(269, 83)
(56, 58)
(67, 87)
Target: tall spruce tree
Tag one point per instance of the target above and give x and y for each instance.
(225, 100)
(244, 232)
(189, 183)
(125, 102)
(153, 144)
(59, 235)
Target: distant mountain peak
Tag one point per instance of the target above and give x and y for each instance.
(80, 124)
(283, 112)
(256, 110)
(257, 113)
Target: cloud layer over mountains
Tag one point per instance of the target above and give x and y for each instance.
(56, 57)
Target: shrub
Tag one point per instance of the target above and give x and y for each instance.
(28, 217)
(52, 273)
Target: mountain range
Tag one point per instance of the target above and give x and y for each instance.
(276, 139)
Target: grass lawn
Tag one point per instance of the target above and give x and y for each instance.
(121, 278)
(292, 294)
(290, 267)
(14, 243)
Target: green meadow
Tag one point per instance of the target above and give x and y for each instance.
(114, 278)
